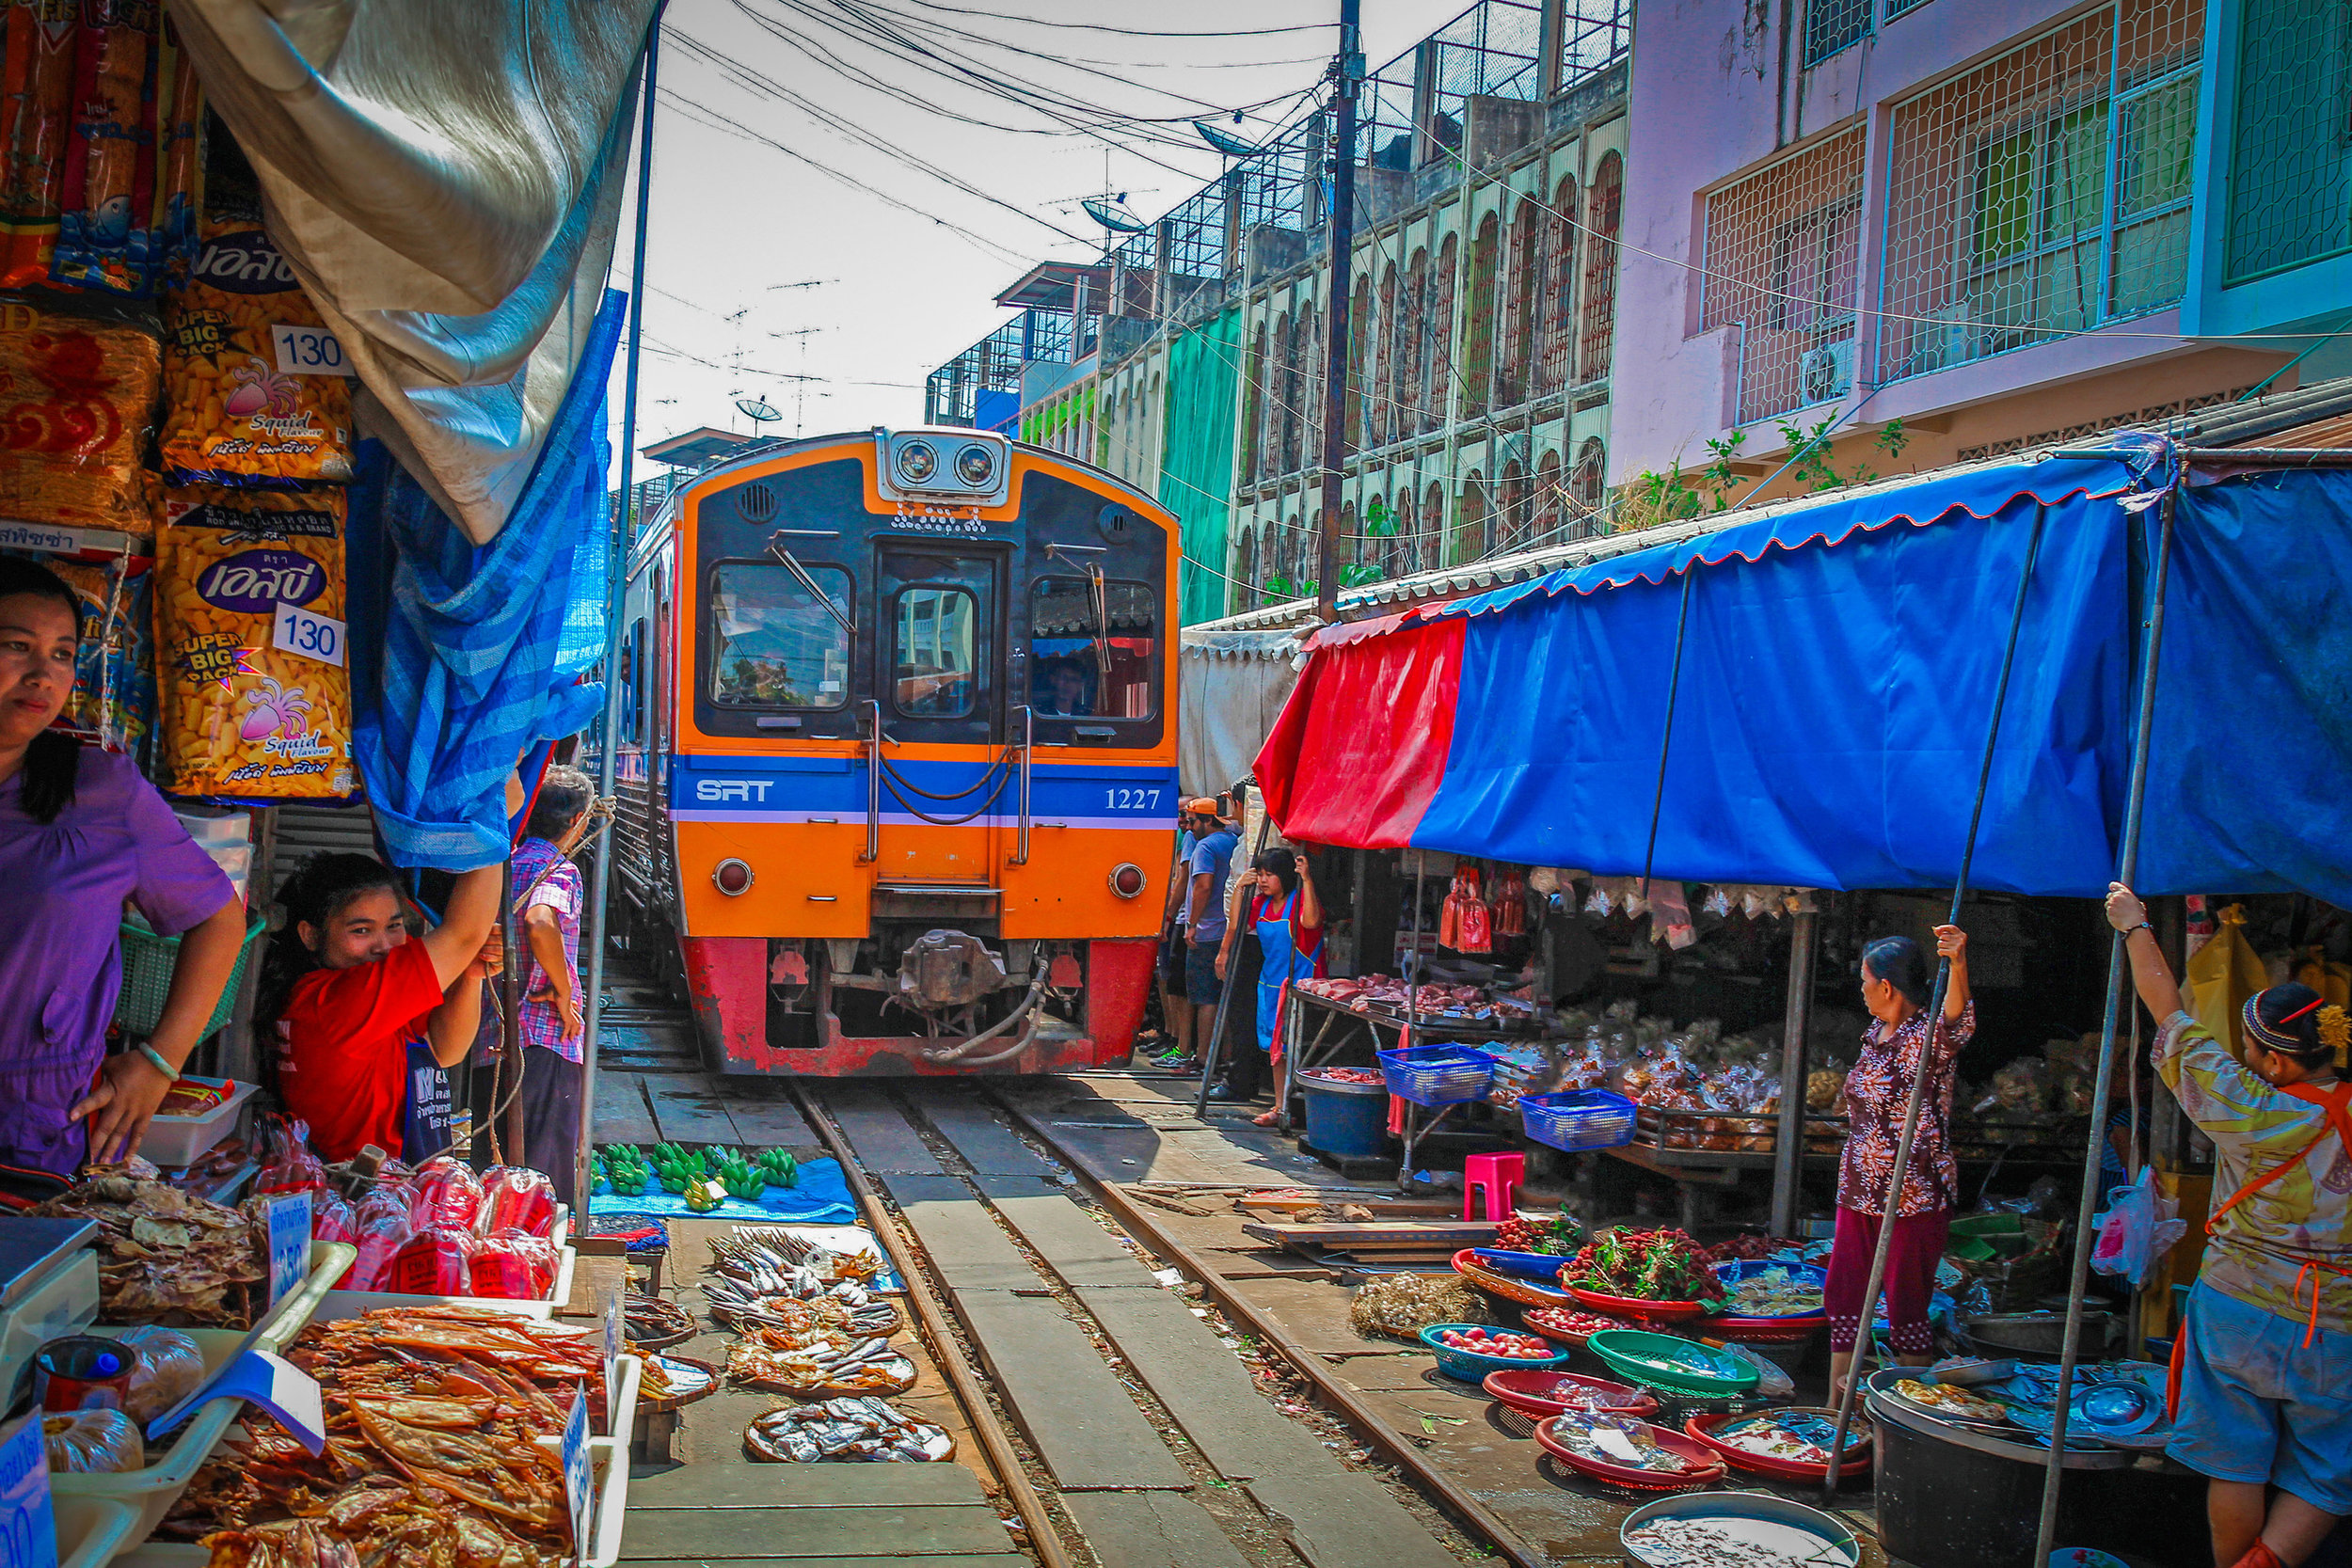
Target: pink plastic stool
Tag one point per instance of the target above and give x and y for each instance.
(1489, 1182)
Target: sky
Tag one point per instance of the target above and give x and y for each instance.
(804, 248)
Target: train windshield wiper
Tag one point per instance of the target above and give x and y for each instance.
(792, 563)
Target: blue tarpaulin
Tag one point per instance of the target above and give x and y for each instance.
(481, 646)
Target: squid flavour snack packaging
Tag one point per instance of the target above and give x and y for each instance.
(256, 696)
(114, 679)
(253, 382)
(75, 396)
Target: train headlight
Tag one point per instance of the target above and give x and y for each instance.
(917, 460)
(1128, 880)
(976, 466)
(732, 877)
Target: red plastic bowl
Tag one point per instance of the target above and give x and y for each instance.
(1540, 1319)
(1637, 1306)
(1761, 1331)
(1702, 1429)
(1709, 1464)
(1525, 1392)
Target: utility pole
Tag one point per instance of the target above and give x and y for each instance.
(1348, 70)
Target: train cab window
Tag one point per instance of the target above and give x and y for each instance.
(1092, 648)
(774, 643)
(935, 653)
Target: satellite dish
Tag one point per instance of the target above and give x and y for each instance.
(1110, 216)
(1225, 141)
(759, 410)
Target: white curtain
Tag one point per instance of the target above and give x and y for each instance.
(1235, 685)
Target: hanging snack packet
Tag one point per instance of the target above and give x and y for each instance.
(106, 242)
(249, 644)
(381, 1221)
(36, 110)
(114, 673)
(253, 381)
(516, 1197)
(75, 397)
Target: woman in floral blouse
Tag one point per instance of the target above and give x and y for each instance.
(1895, 988)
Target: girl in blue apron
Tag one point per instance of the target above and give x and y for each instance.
(1287, 918)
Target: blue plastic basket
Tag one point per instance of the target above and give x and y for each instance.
(1579, 1119)
(1470, 1367)
(1430, 1075)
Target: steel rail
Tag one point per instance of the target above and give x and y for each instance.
(1044, 1535)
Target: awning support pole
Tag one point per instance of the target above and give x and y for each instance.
(2127, 864)
(1863, 1334)
(1666, 739)
(1789, 1146)
(615, 594)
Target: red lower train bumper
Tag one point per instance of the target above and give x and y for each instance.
(726, 978)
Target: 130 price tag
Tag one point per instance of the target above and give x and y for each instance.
(309, 636)
(307, 351)
(289, 1242)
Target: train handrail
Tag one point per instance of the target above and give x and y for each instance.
(873, 786)
(1028, 742)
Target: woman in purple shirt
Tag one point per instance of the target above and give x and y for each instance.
(80, 832)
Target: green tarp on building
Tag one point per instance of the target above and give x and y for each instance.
(1197, 456)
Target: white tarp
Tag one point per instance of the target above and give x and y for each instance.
(1235, 685)
(445, 176)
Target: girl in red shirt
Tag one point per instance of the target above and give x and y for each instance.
(358, 1011)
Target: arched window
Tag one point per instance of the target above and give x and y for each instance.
(1281, 421)
(1397, 558)
(1360, 327)
(1585, 486)
(1242, 592)
(1291, 555)
(1383, 389)
(1510, 530)
(1429, 543)
(1442, 360)
(1517, 312)
(1604, 206)
(1478, 320)
(1471, 526)
(1253, 408)
(1412, 401)
(1293, 408)
(1360, 532)
(1311, 355)
(1544, 512)
(1311, 549)
(1555, 333)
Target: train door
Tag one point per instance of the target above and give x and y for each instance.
(938, 648)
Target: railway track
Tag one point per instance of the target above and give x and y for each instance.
(1138, 1406)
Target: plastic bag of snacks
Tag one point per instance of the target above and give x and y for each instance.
(515, 1197)
(435, 1262)
(288, 1165)
(75, 396)
(446, 1193)
(383, 1227)
(134, 98)
(513, 1267)
(333, 1220)
(248, 624)
(254, 383)
(92, 1442)
(114, 679)
(171, 1369)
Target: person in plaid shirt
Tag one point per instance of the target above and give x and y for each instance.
(550, 1025)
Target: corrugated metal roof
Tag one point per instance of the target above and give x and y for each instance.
(2293, 418)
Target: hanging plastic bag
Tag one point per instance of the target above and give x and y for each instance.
(516, 1197)
(171, 1369)
(288, 1165)
(2139, 1227)
(2222, 975)
(333, 1220)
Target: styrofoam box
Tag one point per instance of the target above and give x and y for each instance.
(173, 1141)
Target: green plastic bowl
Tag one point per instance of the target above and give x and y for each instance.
(1678, 1365)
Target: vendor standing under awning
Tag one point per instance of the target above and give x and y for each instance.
(2263, 1366)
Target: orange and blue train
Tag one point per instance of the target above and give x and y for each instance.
(898, 754)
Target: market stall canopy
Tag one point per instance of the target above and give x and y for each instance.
(1840, 663)
(1234, 684)
(445, 176)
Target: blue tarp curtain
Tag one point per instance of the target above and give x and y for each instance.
(481, 647)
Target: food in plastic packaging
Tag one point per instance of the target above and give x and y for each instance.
(332, 1219)
(435, 1262)
(288, 1164)
(170, 1369)
(75, 396)
(92, 1442)
(114, 669)
(383, 1227)
(446, 1193)
(516, 1197)
(248, 619)
(512, 1266)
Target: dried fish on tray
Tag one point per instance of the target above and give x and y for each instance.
(818, 1364)
(752, 1251)
(850, 1429)
(168, 1257)
(741, 1306)
(1671, 1542)
(432, 1458)
(650, 1322)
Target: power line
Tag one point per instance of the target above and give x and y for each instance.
(1128, 32)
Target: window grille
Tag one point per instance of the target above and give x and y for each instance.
(2046, 192)
(2290, 193)
(1310, 355)
(1429, 541)
(1361, 330)
(1781, 246)
(1253, 408)
(1442, 370)
(1831, 25)
(1243, 589)
(1902, 8)
(1472, 539)
(1291, 422)
(1478, 318)
(1402, 548)
(1555, 341)
(1522, 287)
(1592, 466)
(1380, 396)
(1510, 522)
(1412, 358)
(1544, 512)
(1604, 206)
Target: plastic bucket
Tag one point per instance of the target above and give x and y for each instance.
(1350, 1120)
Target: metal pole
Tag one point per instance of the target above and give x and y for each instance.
(1225, 993)
(2127, 862)
(1935, 1023)
(615, 589)
(1788, 1143)
(511, 1020)
(1673, 688)
(1348, 70)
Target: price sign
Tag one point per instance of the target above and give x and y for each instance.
(28, 1526)
(307, 636)
(576, 1491)
(615, 1342)
(307, 351)
(289, 1242)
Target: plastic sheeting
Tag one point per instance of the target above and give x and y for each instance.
(1197, 457)
(446, 178)
(1234, 684)
(481, 646)
(1359, 751)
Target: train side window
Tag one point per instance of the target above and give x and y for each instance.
(632, 682)
(936, 651)
(1092, 653)
(774, 643)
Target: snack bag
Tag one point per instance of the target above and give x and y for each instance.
(384, 1230)
(114, 671)
(249, 644)
(510, 1266)
(287, 1164)
(253, 381)
(515, 1197)
(75, 397)
(92, 1442)
(435, 1262)
(104, 239)
(36, 112)
(446, 1193)
(333, 1220)
(171, 1369)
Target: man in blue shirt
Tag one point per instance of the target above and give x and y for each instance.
(1202, 930)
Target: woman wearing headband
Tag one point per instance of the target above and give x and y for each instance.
(2261, 1369)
